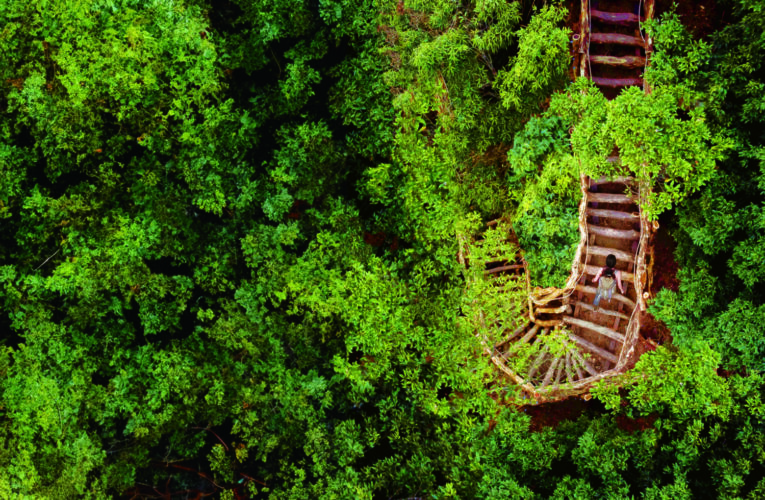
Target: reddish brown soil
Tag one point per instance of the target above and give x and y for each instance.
(636, 424)
(701, 17)
(653, 332)
(552, 414)
(664, 267)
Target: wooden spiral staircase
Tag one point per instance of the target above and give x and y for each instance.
(596, 344)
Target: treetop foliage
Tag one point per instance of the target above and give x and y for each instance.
(230, 235)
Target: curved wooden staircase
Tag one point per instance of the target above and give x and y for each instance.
(567, 344)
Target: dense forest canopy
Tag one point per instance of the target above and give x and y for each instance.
(229, 237)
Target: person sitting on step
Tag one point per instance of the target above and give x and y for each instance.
(607, 279)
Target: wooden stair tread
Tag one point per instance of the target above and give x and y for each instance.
(581, 362)
(613, 214)
(593, 270)
(605, 251)
(617, 39)
(499, 269)
(613, 180)
(610, 232)
(615, 17)
(529, 334)
(616, 296)
(589, 325)
(607, 312)
(609, 198)
(602, 353)
(623, 61)
(617, 82)
(515, 333)
(550, 371)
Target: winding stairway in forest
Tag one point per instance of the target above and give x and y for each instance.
(610, 49)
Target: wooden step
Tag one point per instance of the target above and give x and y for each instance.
(602, 353)
(529, 334)
(616, 39)
(613, 214)
(619, 179)
(569, 369)
(593, 270)
(582, 362)
(550, 372)
(622, 18)
(537, 364)
(622, 62)
(604, 251)
(594, 327)
(517, 332)
(591, 290)
(617, 82)
(503, 268)
(609, 198)
(610, 232)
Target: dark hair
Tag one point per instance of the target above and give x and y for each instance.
(611, 260)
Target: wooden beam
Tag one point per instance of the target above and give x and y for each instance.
(594, 327)
(610, 198)
(623, 61)
(617, 296)
(582, 362)
(616, 39)
(553, 310)
(503, 268)
(560, 370)
(617, 179)
(610, 232)
(626, 277)
(537, 364)
(607, 312)
(621, 18)
(617, 82)
(530, 333)
(569, 370)
(517, 332)
(550, 372)
(602, 353)
(613, 214)
(605, 252)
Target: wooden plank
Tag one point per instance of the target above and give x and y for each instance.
(617, 296)
(584, 41)
(616, 39)
(617, 82)
(594, 327)
(610, 232)
(590, 307)
(602, 353)
(537, 364)
(553, 310)
(605, 252)
(550, 372)
(610, 198)
(517, 332)
(560, 370)
(569, 370)
(582, 362)
(530, 333)
(623, 61)
(614, 214)
(621, 18)
(618, 179)
(503, 268)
